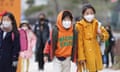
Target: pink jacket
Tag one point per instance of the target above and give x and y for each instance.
(31, 44)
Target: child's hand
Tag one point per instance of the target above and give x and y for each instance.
(99, 26)
(82, 62)
(45, 59)
(99, 31)
(14, 63)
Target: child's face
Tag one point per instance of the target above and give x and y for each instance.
(89, 15)
(6, 22)
(67, 22)
(6, 18)
(107, 28)
(24, 26)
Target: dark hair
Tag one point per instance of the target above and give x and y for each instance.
(87, 6)
(42, 19)
(26, 25)
(12, 18)
(108, 27)
(43, 14)
(67, 13)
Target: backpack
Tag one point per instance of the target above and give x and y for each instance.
(23, 39)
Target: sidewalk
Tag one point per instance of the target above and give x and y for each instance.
(110, 70)
(49, 67)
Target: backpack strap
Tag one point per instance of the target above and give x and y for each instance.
(54, 38)
(74, 46)
(13, 36)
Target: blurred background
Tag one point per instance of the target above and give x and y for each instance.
(108, 11)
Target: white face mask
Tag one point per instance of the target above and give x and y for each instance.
(6, 24)
(89, 18)
(66, 24)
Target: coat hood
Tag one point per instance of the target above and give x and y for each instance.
(59, 22)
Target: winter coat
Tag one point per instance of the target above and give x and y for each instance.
(9, 51)
(42, 37)
(31, 41)
(88, 46)
(56, 46)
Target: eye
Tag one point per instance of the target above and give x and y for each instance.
(87, 13)
(91, 13)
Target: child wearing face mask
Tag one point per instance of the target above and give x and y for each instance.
(62, 43)
(26, 48)
(9, 46)
(89, 55)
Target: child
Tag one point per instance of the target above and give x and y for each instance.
(9, 46)
(89, 54)
(109, 46)
(62, 43)
(27, 48)
(30, 37)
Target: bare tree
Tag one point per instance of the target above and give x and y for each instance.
(57, 6)
(30, 2)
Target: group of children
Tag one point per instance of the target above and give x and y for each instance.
(15, 44)
(76, 42)
(67, 41)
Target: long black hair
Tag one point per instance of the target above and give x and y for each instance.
(14, 24)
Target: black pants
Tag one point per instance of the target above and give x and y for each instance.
(107, 57)
(103, 61)
(41, 62)
(40, 56)
(14, 69)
